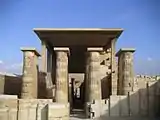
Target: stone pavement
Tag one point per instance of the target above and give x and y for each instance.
(116, 118)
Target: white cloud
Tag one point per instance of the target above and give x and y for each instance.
(149, 59)
(1, 62)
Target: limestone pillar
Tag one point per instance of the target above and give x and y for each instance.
(44, 56)
(30, 73)
(113, 68)
(93, 82)
(125, 70)
(62, 82)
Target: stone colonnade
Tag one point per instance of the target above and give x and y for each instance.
(92, 78)
(125, 70)
(30, 73)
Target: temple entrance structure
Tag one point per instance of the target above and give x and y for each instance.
(80, 63)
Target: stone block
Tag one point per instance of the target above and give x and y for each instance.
(151, 105)
(57, 111)
(105, 107)
(12, 114)
(12, 108)
(27, 109)
(42, 111)
(124, 105)
(10, 105)
(96, 109)
(32, 111)
(42, 108)
(4, 113)
(8, 97)
(143, 102)
(134, 103)
(114, 105)
(23, 110)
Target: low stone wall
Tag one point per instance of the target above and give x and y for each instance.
(32, 109)
(144, 102)
(10, 85)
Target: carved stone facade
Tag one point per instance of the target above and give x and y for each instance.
(80, 71)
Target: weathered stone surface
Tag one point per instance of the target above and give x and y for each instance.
(58, 111)
(124, 105)
(8, 109)
(134, 103)
(93, 81)
(125, 71)
(4, 114)
(30, 76)
(114, 105)
(113, 68)
(61, 76)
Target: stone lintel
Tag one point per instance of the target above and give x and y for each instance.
(23, 49)
(95, 49)
(125, 50)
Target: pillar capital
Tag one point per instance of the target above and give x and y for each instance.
(95, 49)
(124, 50)
(29, 49)
(62, 49)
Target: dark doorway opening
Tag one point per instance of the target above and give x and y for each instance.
(76, 72)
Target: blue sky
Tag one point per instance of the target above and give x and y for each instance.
(139, 19)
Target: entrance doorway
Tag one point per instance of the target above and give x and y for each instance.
(77, 89)
(76, 75)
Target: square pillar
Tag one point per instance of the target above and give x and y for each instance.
(113, 68)
(125, 70)
(92, 78)
(30, 73)
(61, 95)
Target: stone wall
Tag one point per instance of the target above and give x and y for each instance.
(143, 101)
(32, 109)
(10, 85)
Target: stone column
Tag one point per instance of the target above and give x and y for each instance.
(61, 75)
(93, 82)
(125, 70)
(44, 56)
(30, 76)
(113, 68)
